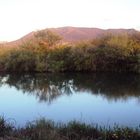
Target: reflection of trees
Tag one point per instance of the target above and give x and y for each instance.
(38, 85)
(111, 86)
(48, 87)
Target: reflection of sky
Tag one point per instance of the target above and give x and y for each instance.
(81, 106)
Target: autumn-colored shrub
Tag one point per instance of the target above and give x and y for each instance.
(115, 53)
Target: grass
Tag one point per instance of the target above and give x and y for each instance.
(48, 130)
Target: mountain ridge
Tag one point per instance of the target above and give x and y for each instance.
(74, 34)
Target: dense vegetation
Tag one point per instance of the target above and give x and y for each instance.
(48, 130)
(46, 52)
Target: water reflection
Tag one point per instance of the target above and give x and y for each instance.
(48, 87)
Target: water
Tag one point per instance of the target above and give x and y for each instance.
(92, 98)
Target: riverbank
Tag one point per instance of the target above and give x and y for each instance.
(113, 53)
(48, 130)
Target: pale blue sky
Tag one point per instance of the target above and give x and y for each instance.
(18, 17)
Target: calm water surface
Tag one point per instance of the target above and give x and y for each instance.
(92, 98)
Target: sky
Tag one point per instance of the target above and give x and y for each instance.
(19, 17)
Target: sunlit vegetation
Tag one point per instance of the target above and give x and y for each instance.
(48, 130)
(46, 52)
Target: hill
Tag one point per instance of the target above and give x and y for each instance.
(74, 34)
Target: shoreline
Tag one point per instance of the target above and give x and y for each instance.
(43, 129)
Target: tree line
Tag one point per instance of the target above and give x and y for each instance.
(46, 52)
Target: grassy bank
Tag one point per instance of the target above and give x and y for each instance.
(48, 130)
(45, 52)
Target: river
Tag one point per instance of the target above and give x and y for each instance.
(101, 98)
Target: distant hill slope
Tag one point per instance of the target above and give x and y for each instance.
(73, 34)
(78, 33)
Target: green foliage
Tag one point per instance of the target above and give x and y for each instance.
(120, 53)
(83, 55)
(20, 60)
(40, 58)
(113, 53)
(59, 59)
